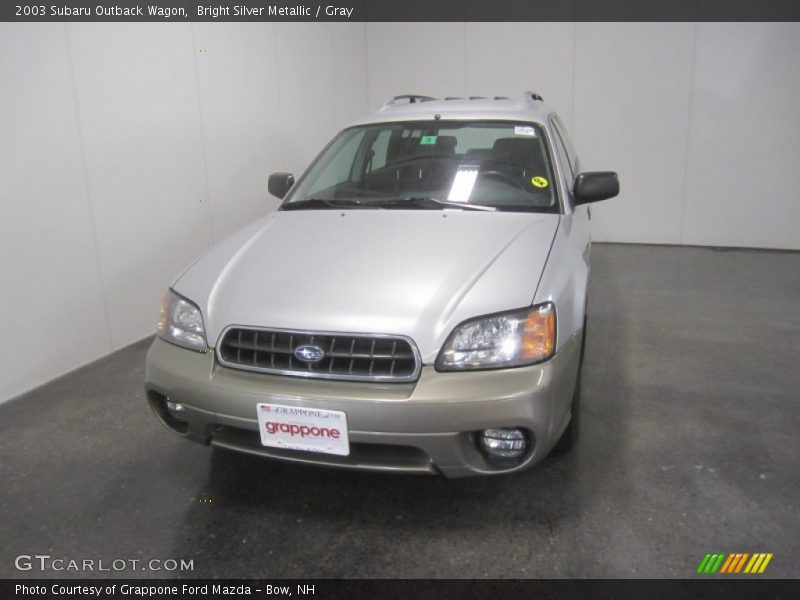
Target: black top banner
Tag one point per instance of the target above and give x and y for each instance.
(405, 10)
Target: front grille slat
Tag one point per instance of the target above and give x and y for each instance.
(352, 347)
(376, 356)
(358, 357)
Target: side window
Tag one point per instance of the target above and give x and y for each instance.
(339, 169)
(567, 141)
(563, 158)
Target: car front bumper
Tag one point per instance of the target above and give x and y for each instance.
(427, 426)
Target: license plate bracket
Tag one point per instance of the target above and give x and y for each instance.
(306, 429)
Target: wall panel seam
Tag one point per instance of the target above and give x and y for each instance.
(690, 119)
(202, 134)
(574, 50)
(366, 68)
(87, 188)
(281, 124)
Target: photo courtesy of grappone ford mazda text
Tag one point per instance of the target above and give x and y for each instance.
(415, 305)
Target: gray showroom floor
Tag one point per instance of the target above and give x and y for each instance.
(690, 444)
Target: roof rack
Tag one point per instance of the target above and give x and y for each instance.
(409, 98)
(477, 98)
(528, 97)
(532, 96)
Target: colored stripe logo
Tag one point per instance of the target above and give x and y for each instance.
(735, 562)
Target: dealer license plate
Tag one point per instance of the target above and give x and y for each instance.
(310, 429)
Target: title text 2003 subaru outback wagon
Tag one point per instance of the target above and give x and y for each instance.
(416, 304)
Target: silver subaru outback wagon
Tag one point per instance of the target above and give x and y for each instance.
(415, 305)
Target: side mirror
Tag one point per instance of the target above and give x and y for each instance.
(591, 187)
(279, 184)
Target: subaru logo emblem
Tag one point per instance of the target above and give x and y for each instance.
(309, 353)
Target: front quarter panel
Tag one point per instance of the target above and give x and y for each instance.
(565, 276)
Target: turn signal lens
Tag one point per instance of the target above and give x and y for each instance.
(163, 314)
(539, 334)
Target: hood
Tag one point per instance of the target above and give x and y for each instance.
(417, 273)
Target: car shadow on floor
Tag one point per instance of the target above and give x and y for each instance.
(258, 517)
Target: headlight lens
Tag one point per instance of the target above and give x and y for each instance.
(181, 323)
(512, 339)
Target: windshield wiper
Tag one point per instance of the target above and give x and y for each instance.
(312, 203)
(433, 203)
(426, 202)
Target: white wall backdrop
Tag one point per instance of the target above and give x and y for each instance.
(127, 149)
(698, 119)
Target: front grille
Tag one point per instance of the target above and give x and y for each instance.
(357, 357)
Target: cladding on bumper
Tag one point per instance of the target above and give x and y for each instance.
(435, 417)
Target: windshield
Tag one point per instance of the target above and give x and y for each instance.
(481, 165)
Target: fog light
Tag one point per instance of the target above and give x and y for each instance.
(504, 443)
(176, 409)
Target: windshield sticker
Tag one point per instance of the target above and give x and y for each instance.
(428, 140)
(525, 130)
(539, 182)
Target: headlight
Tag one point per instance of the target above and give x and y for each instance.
(512, 339)
(181, 323)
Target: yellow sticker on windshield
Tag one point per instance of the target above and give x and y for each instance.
(539, 182)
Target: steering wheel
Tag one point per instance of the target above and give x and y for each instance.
(505, 177)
